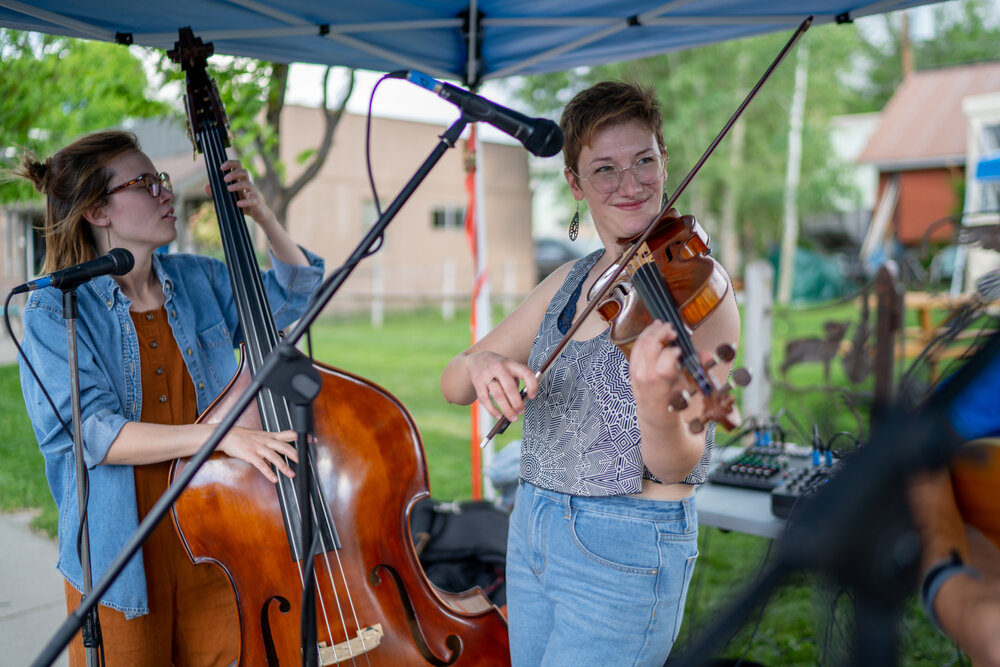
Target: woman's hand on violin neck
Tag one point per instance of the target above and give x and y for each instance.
(669, 449)
(654, 365)
(262, 449)
(496, 380)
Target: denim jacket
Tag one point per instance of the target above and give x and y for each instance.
(202, 315)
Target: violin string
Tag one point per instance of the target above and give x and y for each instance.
(662, 306)
(215, 154)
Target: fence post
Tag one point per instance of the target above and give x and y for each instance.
(448, 289)
(378, 294)
(757, 310)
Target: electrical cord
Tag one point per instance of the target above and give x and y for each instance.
(85, 480)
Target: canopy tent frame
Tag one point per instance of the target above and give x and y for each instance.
(545, 39)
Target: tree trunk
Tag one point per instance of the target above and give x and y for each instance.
(271, 183)
(790, 225)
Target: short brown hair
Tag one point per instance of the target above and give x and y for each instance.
(604, 104)
(74, 180)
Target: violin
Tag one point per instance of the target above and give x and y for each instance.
(359, 571)
(672, 277)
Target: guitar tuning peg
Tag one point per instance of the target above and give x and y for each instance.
(679, 400)
(725, 352)
(741, 377)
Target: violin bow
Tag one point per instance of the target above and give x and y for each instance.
(501, 425)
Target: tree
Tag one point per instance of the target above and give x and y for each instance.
(740, 186)
(255, 121)
(53, 89)
(964, 32)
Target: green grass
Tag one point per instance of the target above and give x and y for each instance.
(22, 473)
(803, 623)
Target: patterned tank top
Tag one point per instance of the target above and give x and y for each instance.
(581, 433)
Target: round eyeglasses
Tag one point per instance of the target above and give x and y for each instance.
(647, 169)
(154, 184)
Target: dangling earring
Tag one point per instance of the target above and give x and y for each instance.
(108, 228)
(664, 199)
(574, 224)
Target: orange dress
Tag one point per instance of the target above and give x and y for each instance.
(192, 618)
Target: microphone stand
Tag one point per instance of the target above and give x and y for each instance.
(92, 626)
(858, 530)
(280, 356)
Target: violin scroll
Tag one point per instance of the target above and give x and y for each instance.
(719, 404)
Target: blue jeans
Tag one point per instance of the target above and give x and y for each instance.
(597, 581)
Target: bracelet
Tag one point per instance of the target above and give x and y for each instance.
(934, 579)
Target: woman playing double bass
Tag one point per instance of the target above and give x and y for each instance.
(603, 536)
(155, 348)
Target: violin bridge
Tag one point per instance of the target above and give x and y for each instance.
(367, 639)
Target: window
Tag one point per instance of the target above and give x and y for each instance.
(448, 217)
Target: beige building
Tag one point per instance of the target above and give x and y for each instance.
(425, 256)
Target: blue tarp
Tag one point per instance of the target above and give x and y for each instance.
(509, 36)
(988, 168)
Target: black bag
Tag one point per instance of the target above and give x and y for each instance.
(462, 545)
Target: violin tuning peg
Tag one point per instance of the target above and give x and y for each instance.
(696, 425)
(725, 352)
(741, 377)
(679, 401)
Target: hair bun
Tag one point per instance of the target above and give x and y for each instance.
(37, 172)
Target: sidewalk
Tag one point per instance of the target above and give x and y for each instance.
(32, 606)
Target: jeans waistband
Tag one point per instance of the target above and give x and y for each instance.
(627, 505)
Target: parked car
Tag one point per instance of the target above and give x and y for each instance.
(550, 254)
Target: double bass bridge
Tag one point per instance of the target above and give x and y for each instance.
(367, 639)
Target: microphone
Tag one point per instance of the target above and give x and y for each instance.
(541, 136)
(117, 262)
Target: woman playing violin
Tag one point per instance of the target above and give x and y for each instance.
(603, 535)
(155, 348)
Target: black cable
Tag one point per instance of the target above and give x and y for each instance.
(845, 434)
(85, 481)
(798, 427)
(368, 156)
(24, 358)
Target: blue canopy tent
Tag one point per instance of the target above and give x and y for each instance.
(465, 40)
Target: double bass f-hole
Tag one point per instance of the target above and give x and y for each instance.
(373, 603)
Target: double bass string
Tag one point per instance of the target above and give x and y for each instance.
(259, 341)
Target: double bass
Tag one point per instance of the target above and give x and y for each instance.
(374, 605)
